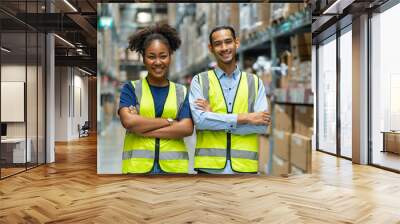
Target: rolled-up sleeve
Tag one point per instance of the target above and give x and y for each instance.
(208, 120)
(127, 96)
(260, 105)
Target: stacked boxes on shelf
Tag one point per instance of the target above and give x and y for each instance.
(283, 127)
(303, 120)
(300, 152)
(247, 19)
(253, 18)
(194, 26)
(293, 128)
(295, 84)
(301, 60)
(300, 45)
(283, 10)
(264, 149)
(294, 95)
(228, 14)
(206, 19)
(263, 153)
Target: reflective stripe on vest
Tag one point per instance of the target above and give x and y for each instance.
(139, 152)
(211, 146)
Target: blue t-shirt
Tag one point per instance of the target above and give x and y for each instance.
(128, 98)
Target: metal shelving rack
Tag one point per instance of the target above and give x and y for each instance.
(296, 23)
(300, 22)
(274, 36)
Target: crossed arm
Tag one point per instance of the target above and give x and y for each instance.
(240, 124)
(254, 118)
(154, 127)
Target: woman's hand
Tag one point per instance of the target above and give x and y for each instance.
(132, 110)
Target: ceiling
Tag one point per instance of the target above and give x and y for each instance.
(75, 21)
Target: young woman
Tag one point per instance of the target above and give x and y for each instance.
(155, 111)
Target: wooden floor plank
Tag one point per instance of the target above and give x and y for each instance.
(70, 191)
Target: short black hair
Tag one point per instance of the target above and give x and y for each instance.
(218, 28)
(140, 40)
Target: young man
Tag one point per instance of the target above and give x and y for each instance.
(229, 108)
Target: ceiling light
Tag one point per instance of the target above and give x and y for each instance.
(5, 50)
(105, 22)
(337, 7)
(70, 5)
(65, 41)
(143, 17)
(86, 72)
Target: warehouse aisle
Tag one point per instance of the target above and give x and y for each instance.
(71, 191)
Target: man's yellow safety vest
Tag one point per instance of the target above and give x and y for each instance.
(139, 152)
(214, 147)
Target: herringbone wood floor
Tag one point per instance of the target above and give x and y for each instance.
(70, 191)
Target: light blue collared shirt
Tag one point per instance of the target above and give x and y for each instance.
(227, 122)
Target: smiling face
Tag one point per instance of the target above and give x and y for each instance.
(157, 58)
(224, 46)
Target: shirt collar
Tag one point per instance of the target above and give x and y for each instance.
(219, 72)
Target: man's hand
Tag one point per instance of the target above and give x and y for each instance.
(203, 105)
(256, 118)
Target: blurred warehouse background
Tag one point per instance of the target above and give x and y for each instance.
(275, 45)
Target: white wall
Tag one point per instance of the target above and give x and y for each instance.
(61, 103)
(71, 93)
(13, 73)
(33, 126)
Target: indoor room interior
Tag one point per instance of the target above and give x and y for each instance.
(331, 154)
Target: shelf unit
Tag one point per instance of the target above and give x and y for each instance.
(296, 23)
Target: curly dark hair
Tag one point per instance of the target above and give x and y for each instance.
(140, 40)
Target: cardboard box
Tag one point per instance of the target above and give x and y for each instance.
(281, 95)
(277, 11)
(280, 167)
(245, 17)
(263, 153)
(300, 45)
(264, 13)
(283, 117)
(284, 10)
(300, 152)
(282, 144)
(235, 18)
(228, 14)
(284, 82)
(304, 120)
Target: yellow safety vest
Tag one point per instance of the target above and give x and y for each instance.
(214, 147)
(139, 152)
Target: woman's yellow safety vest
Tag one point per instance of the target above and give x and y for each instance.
(214, 147)
(139, 152)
